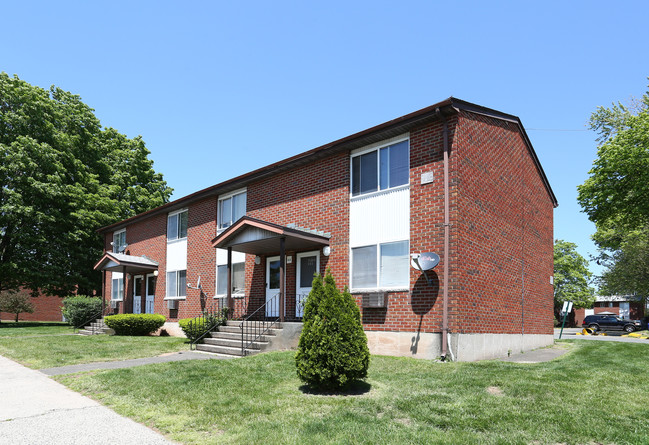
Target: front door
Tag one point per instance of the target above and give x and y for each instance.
(150, 293)
(137, 294)
(272, 286)
(308, 263)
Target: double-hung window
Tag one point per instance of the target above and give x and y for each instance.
(119, 241)
(176, 284)
(383, 266)
(238, 279)
(117, 288)
(231, 208)
(381, 169)
(177, 225)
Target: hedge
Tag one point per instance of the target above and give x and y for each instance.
(135, 324)
(80, 309)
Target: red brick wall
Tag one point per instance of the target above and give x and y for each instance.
(501, 233)
(504, 237)
(46, 308)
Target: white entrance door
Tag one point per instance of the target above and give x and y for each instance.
(308, 263)
(272, 286)
(137, 294)
(150, 293)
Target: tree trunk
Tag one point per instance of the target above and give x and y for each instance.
(17, 313)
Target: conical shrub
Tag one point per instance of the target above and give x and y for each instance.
(332, 351)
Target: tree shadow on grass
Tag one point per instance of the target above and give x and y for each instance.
(356, 388)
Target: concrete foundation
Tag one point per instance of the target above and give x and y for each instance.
(464, 347)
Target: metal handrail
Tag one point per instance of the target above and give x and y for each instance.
(216, 313)
(95, 317)
(257, 328)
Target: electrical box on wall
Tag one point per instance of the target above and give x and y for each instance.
(172, 304)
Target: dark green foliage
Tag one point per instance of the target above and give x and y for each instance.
(135, 324)
(79, 309)
(15, 303)
(195, 327)
(63, 176)
(332, 351)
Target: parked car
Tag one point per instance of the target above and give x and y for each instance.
(608, 322)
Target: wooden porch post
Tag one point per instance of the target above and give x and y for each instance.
(124, 298)
(282, 281)
(103, 292)
(229, 294)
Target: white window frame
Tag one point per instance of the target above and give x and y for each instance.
(120, 288)
(225, 197)
(176, 213)
(179, 290)
(116, 245)
(235, 293)
(378, 287)
(377, 147)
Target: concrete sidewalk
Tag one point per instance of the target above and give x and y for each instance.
(164, 358)
(36, 410)
(537, 355)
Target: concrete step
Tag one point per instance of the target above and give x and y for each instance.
(234, 343)
(225, 350)
(237, 336)
(237, 330)
(277, 325)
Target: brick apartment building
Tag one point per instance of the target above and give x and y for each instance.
(456, 179)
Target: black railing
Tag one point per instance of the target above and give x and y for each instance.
(92, 321)
(259, 322)
(211, 317)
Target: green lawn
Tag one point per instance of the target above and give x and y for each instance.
(49, 351)
(597, 393)
(25, 328)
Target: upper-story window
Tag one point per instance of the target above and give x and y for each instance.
(381, 168)
(119, 241)
(177, 225)
(231, 208)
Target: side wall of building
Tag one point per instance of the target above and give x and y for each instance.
(505, 233)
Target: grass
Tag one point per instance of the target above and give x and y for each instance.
(25, 328)
(40, 351)
(597, 393)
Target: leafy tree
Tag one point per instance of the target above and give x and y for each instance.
(62, 176)
(332, 351)
(571, 277)
(15, 303)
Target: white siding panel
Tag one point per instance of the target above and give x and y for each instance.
(177, 255)
(380, 217)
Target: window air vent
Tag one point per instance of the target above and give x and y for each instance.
(172, 304)
(375, 299)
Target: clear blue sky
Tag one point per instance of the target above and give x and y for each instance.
(217, 88)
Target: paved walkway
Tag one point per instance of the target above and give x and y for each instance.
(36, 410)
(570, 334)
(172, 357)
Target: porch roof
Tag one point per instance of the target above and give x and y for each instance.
(121, 262)
(257, 237)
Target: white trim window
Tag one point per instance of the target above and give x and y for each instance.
(238, 279)
(177, 225)
(117, 287)
(231, 208)
(176, 285)
(381, 266)
(119, 241)
(380, 168)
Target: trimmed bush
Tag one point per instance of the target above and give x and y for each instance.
(195, 327)
(135, 324)
(332, 351)
(80, 309)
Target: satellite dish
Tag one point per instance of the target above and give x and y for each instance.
(424, 261)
